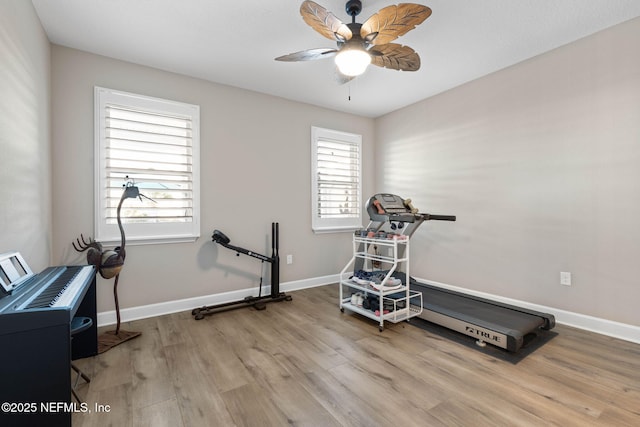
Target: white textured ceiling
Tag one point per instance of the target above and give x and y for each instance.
(234, 42)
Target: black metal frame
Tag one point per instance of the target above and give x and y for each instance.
(259, 302)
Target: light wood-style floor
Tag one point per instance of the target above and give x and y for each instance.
(305, 363)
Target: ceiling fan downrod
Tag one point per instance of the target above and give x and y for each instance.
(353, 8)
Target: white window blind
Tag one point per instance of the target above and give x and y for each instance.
(336, 180)
(155, 143)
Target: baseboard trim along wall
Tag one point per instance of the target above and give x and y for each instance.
(601, 326)
(145, 311)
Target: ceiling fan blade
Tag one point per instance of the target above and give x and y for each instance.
(342, 78)
(308, 55)
(324, 22)
(394, 21)
(395, 56)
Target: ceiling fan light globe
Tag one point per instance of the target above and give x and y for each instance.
(352, 62)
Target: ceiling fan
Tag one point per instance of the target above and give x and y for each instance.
(362, 44)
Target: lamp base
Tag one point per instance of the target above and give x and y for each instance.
(110, 339)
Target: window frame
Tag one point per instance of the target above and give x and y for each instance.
(332, 225)
(142, 233)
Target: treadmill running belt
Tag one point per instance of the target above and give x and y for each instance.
(460, 306)
(502, 325)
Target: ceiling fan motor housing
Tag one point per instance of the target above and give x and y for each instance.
(353, 8)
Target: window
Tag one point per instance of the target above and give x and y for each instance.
(155, 144)
(336, 180)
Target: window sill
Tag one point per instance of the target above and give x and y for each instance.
(327, 230)
(141, 241)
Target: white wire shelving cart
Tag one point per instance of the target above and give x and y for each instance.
(386, 256)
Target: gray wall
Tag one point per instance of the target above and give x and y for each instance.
(25, 161)
(255, 169)
(540, 162)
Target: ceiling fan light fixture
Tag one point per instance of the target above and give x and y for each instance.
(352, 62)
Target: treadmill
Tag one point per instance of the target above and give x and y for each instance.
(502, 325)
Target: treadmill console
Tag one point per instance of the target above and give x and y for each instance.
(390, 207)
(384, 207)
(391, 202)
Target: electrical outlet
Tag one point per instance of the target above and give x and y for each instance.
(565, 278)
(289, 259)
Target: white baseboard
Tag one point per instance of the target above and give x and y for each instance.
(594, 324)
(619, 330)
(145, 311)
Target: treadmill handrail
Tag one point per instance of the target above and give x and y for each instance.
(433, 217)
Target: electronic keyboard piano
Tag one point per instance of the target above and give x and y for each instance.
(35, 340)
